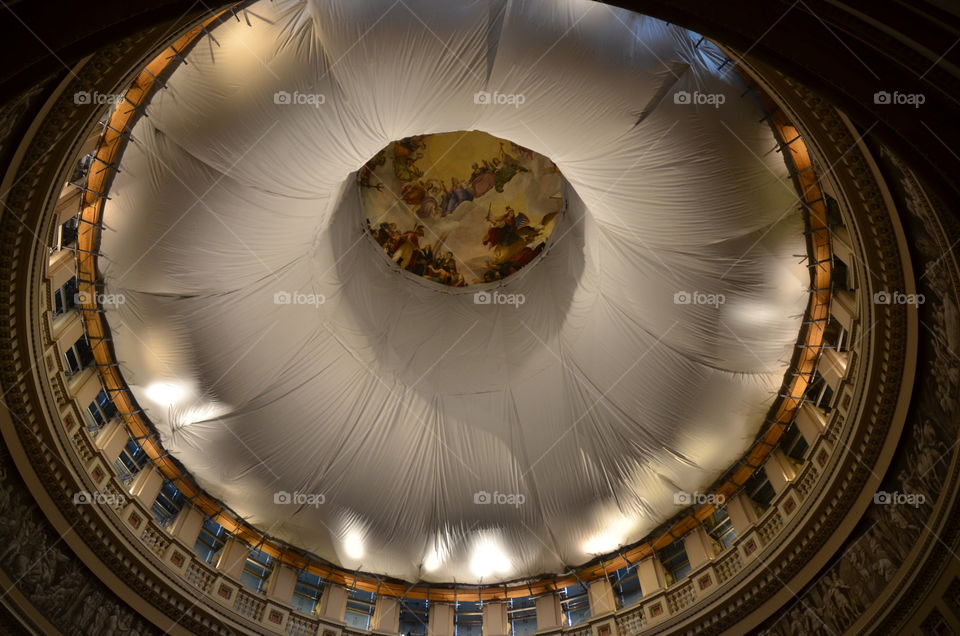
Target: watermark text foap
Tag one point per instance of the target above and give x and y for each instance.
(498, 298)
(314, 499)
(496, 98)
(899, 99)
(94, 97)
(99, 498)
(898, 298)
(697, 98)
(683, 498)
(298, 298)
(296, 98)
(97, 298)
(698, 298)
(899, 498)
(495, 498)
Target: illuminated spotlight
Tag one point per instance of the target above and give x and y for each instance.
(182, 417)
(167, 393)
(750, 313)
(489, 558)
(437, 553)
(432, 561)
(353, 544)
(610, 538)
(602, 543)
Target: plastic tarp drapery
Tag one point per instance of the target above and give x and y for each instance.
(391, 427)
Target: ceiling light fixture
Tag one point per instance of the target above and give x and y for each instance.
(166, 393)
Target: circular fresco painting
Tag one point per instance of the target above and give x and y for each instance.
(460, 208)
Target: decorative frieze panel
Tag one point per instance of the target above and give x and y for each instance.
(680, 597)
(200, 577)
(299, 626)
(770, 526)
(728, 565)
(155, 539)
(249, 605)
(631, 623)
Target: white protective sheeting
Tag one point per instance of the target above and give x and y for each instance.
(596, 400)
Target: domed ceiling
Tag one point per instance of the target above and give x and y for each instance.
(310, 376)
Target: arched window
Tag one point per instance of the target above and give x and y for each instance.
(674, 560)
(626, 586)
(414, 616)
(256, 570)
(359, 608)
(522, 614)
(307, 592)
(575, 603)
(210, 541)
(720, 528)
(468, 618)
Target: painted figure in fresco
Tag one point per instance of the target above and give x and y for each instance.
(427, 197)
(385, 235)
(504, 172)
(367, 171)
(406, 153)
(505, 230)
(428, 261)
(482, 179)
(506, 158)
(508, 237)
(505, 167)
(408, 247)
(413, 193)
(511, 236)
(442, 268)
(454, 277)
(458, 194)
